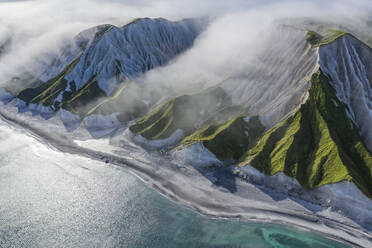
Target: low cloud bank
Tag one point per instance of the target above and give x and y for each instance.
(32, 31)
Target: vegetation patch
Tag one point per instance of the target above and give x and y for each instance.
(47, 92)
(328, 36)
(53, 93)
(187, 112)
(101, 30)
(228, 140)
(317, 145)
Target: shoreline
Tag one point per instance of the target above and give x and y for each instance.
(202, 196)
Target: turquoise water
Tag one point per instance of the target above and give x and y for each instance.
(174, 226)
(50, 199)
(133, 215)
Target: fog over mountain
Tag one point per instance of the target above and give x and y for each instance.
(38, 28)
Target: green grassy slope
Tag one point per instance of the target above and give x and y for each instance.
(185, 112)
(82, 102)
(78, 102)
(48, 91)
(317, 145)
(228, 140)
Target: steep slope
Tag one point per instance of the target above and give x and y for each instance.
(114, 55)
(324, 26)
(49, 65)
(317, 145)
(347, 62)
(277, 80)
(228, 140)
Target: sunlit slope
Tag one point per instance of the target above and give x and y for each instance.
(317, 145)
(328, 36)
(115, 55)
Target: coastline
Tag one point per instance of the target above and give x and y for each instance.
(249, 203)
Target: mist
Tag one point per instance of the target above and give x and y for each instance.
(37, 29)
(235, 40)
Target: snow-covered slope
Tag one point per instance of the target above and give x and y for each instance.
(343, 197)
(347, 62)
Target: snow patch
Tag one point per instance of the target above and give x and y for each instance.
(100, 126)
(45, 112)
(69, 120)
(5, 96)
(196, 155)
(152, 145)
(39, 109)
(343, 197)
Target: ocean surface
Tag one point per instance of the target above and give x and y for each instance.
(51, 199)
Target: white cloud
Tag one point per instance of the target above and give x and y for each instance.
(41, 26)
(236, 37)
